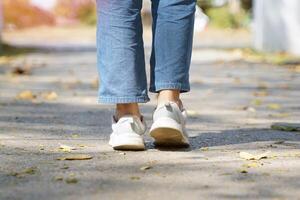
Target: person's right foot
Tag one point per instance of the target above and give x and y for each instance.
(168, 128)
(127, 133)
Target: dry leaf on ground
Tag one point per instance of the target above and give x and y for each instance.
(252, 165)
(71, 180)
(204, 149)
(135, 178)
(262, 93)
(26, 95)
(249, 156)
(76, 157)
(192, 113)
(273, 106)
(49, 95)
(286, 126)
(30, 171)
(66, 148)
(280, 115)
(21, 71)
(145, 167)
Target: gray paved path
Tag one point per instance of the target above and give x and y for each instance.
(231, 106)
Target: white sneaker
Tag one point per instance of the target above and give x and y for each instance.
(127, 133)
(168, 128)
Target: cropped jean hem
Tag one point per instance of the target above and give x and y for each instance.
(115, 100)
(168, 86)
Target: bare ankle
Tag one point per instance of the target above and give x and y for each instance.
(169, 95)
(127, 109)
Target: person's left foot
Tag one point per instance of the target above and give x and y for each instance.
(168, 128)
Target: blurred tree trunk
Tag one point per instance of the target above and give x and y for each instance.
(277, 26)
(234, 6)
(1, 25)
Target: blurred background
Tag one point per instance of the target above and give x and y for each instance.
(270, 26)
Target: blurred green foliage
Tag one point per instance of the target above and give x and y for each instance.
(8, 50)
(222, 18)
(87, 15)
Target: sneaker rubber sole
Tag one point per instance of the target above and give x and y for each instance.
(127, 143)
(168, 133)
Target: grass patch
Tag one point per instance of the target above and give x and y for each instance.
(271, 58)
(10, 51)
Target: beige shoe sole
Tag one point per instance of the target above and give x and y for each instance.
(130, 147)
(169, 137)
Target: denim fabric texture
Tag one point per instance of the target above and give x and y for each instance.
(120, 48)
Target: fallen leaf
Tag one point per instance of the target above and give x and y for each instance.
(192, 113)
(76, 157)
(49, 95)
(279, 142)
(30, 171)
(66, 148)
(252, 165)
(75, 136)
(273, 106)
(286, 126)
(256, 102)
(243, 171)
(71, 180)
(81, 145)
(135, 178)
(249, 156)
(58, 178)
(21, 71)
(145, 167)
(262, 93)
(262, 86)
(65, 167)
(204, 148)
(26, 95)
(280, 115)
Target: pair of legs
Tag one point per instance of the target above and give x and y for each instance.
(121, 61)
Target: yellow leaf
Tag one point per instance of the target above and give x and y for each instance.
(204, 148)
(49, 95)
(273, 106)
(262, 93)
(251, 165)
(135, 178)
(66, 148)
(256, 102)
(71, 180)
(249, 156)
(192, 113)
(26, 95)
(280, 115)
(75, 136)
(145, 167)
(76, 157)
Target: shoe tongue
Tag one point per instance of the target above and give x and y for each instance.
(168, 105)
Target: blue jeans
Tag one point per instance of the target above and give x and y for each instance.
(121, 59)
